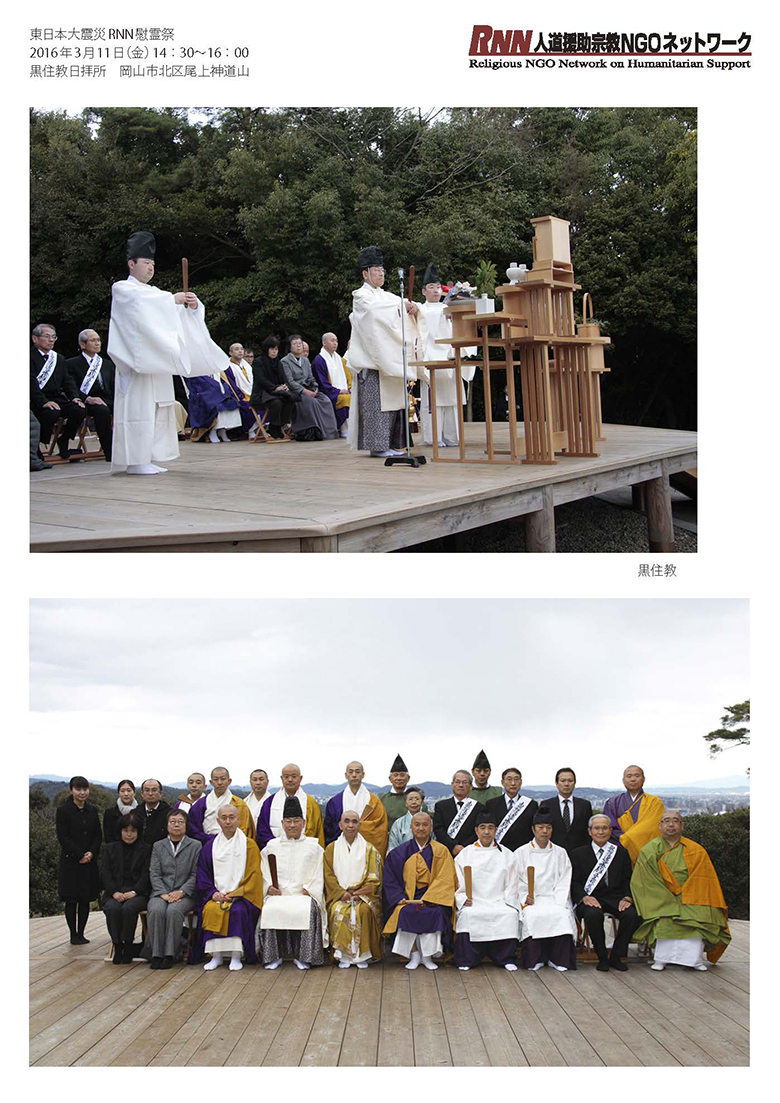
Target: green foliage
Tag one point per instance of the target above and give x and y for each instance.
(485, 278)
(733, 730)
(726, 839)
(271, 207)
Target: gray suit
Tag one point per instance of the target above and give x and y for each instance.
(169, 873)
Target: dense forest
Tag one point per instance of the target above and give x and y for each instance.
(271, 206)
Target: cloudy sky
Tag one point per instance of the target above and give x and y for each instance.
(168, 686)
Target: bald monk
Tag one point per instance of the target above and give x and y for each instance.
(356, 798)
(353, 895)
(202, 823)
(269, 820)
(634, 815)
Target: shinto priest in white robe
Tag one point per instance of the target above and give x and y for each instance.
(551, 913)
(494, 910)
(439, 327)
(298, 867)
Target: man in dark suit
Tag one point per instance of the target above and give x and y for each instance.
(93, 376)
(569, 814)
(600, 883)
(53, 393)
(514, 813)
(455, 819)
(153, 812)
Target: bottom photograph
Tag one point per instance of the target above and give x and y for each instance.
(389, 833)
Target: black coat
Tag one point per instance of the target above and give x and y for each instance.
(583, 859)
(154, 827)
(577, 834)
(112, 869)
(78, 367)
(267, 375)
(111, 818)
(78, 831)
(520, 832)
(59, 384)
(444, 814)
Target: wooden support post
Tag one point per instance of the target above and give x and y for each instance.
(540, 526)
(638, 497)
(658, 497)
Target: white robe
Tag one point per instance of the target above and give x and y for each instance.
(254, 805)
(277, 808)
(298, 867)
(439, 327)
(244, 375)
(494, 910)
(151, 338)
(551, 913)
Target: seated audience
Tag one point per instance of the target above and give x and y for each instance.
(313, 417)
(125, 876)
(53, 392)
(269, 821)
(487, 919)
(238, 378)
(677, 893)
(418, 888)
(454, 819)
(333, 378)
(568, 814)
(270, 390)
(93, 375)
(353, 887)
(114, 816)
(548, 930)
(293, 922)
(515, 812)
(172, 877)
(78, 880)
(229, 893)
(401, 831)
(213, 408)
(600, 885)
(634, 815)
(203, 815)
(356, 798)
(153, 811)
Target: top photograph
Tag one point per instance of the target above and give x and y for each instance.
(363, 329)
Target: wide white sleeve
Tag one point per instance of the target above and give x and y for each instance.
(144, 333)
(202, 355)
(460, 891)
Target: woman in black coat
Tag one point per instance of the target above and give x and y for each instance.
(125, 803)
(126, 886)
(78, 833)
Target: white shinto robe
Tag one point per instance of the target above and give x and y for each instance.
(254, 805)
(298, 867)
(494, 911)
(150, 339)
(551, 913)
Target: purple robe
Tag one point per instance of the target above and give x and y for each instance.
(263, 832)
(207, 400)
(320, 372)
(615, 807)
(421, 919)
(195, 820)
(333, 810)
(242, 918)
(246, 411)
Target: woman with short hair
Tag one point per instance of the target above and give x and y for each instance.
(313, 418)
(78, 833)
(126, 886)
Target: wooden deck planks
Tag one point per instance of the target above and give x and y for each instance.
(327, 1033)
(531, 1033)
(289, 1043)
(486, 1029)
(361, 1036)
(396, 1039)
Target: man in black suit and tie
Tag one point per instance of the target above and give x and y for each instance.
(568, 814)
(514, 813)
(53, 393)
(93, 376)
(600, 882)
(455, 819)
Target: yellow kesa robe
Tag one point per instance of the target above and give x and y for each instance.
(343, 400)
(313, 826)
(635, 835)
(250, 887)
(441, 880)
(245, 820)
(373, 824)
(367, 923)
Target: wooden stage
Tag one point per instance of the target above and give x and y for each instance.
(85, 1011)
(320, 497)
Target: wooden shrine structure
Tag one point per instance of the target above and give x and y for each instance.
(560, 363)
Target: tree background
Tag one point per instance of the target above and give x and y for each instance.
(272, 206)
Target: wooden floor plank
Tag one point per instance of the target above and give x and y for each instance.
(142, 1050)
(216, 1047)
(258, 1037)
(289, 1043)
(610, 1047)
(219, 991)
(431, 1047)
(70, 991)
(327, 1033)
(572, 1044)
(485, 1030)
(361, 1037)
(396, 1040)
(532, 1035)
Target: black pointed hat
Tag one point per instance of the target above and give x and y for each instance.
(486, 817)
(292, 809)
(431, 275)
(370, 257)
(542, 817)
(399, 766)
(481, 761)
(141, 244)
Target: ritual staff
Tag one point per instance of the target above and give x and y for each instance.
(153, 335)
(356, 798)
(634, 815)
(481, 790)
(93, 375)
(677, 893)
(418, 889)
(153, 811)
(486, 899)
(393, 801)
(196, 794)
(454, 819)
(401, 831)
(78, 833)
(203, 816)
(229, 892)
(548, 929)
(124, 874)
(334, 378)
(53, 392)
(439, 328)
(376, 421)
(293, 922)
(568, 814)
(172, 874)
(269, 821)
(258, 782)
(600, 885)
(515, 812)
(113, 816)
(353, 885)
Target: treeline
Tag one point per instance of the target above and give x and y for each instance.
(271, 207)
(726, 838)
